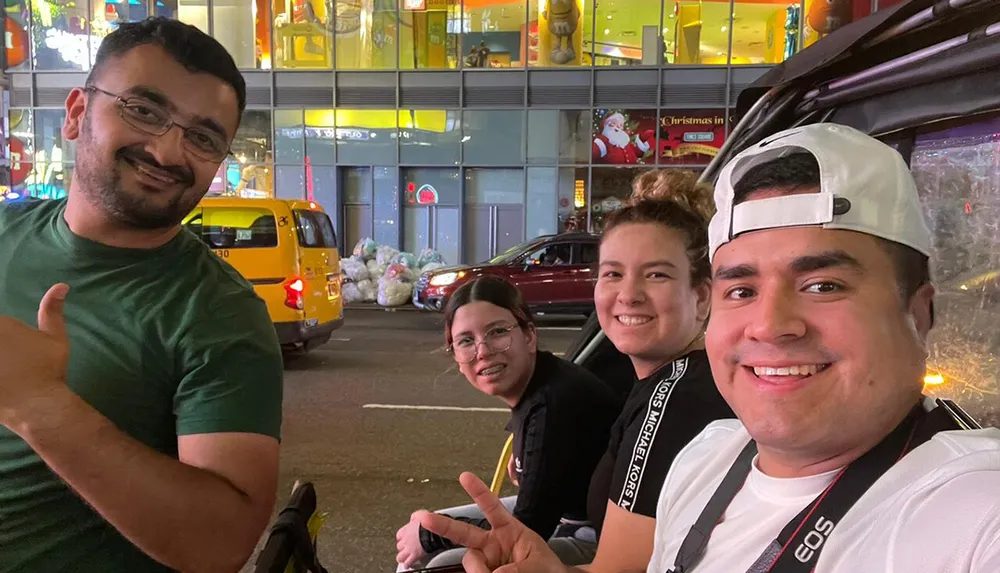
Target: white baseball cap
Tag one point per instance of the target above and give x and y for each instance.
(865, 186)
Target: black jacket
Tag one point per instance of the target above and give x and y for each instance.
(561, 428)
(663, 413)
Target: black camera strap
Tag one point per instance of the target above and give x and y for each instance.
(797, 547)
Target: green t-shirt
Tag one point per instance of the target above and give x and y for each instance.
(164, 342)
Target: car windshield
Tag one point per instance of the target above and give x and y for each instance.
(512, 253)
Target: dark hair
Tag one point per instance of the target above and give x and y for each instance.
(192, 48)
(799, 172)
(493, 290)
(673, 215)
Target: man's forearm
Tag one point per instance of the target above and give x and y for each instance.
(185, 517)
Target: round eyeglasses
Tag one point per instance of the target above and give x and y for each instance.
(497, 340)
(154, 119)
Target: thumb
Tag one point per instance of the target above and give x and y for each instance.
(50, 311)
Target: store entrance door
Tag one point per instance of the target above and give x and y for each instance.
(431, 217)
(494, 212)
(356, 183)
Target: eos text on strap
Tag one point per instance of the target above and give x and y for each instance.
(798, 546)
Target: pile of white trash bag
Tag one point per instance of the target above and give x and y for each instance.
(380, 273)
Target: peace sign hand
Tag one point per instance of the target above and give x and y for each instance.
(509, 547)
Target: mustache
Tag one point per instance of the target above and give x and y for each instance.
(795, 352)
(140, 155)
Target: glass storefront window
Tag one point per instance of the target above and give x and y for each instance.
(624, 137)
(623, 29)
(574, 199)
(765, 33)
(255, 180)
(253, 139)
(289, 133)
(493, 33)
(493, 137)
(429, 33)
(320, 187)
(429, 137)
(60, 35)
(366, 136)
(690, 137)
(243, 27)
(559, 136)
(109, 14)
(543, 201)
(698, 32)
(289, 182)
(321, 136)
(612, 186)
(385, 181)
(366, 34)
(18, 40)
(303, 33)
(194, 12)
(21, 146)
(559, 33)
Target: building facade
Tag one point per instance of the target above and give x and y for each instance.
(466, 126)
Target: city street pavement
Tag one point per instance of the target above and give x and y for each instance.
(350, 429)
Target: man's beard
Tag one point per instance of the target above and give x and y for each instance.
(102, 186)
(617, 138)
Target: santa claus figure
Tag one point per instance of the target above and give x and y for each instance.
(615, 147)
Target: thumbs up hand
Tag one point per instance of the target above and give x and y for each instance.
(33, 361)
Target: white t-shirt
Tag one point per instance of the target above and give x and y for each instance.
(936, 511)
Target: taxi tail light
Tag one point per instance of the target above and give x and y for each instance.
(294, 289)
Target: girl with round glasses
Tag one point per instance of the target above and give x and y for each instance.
(561, 417)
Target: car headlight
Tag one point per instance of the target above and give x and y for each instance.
(446, 279)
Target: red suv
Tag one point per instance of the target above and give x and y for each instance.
(555, 273)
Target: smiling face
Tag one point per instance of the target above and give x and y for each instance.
(137, 180)
(491, 369)
(810, 343)
(645, 301)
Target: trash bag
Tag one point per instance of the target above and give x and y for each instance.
(385, 254)
(365, 249)
(354, 270)
(431, 267)
(394, 293)
(369, 290)
(375, 270)
(352, 292)
(428, 256)
(396, 272)
(405, 259)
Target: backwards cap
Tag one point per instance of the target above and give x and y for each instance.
(865, 186)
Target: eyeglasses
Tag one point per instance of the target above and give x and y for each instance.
(153, 119)
(466, 349)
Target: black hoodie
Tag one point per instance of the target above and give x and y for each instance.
(561, 427)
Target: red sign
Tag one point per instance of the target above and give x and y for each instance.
(424, 195)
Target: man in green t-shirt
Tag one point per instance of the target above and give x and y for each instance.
(140, 376)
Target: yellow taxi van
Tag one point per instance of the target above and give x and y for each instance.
(288, 250)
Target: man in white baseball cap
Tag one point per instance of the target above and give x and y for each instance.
(821, 307)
